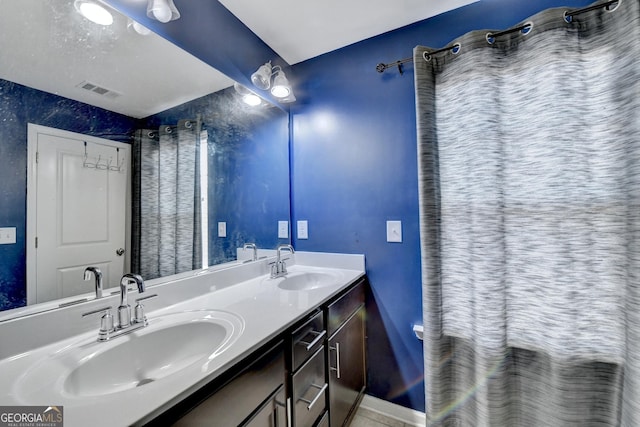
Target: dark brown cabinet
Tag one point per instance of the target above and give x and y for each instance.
(346, 358)
(252, 395)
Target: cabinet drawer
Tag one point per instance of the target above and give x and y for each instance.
(306, 340)
(345, 306)
(309, 391)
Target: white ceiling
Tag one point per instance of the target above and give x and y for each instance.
(47, 45)
(298, 30)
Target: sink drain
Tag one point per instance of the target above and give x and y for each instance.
(144, 381)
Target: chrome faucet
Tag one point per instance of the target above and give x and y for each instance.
(125, 323)
(255, 250)
(98, 276)
(124, 310)
(279, 268)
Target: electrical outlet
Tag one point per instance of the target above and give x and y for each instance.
(222, 229)
(394, 231)
(283, 229)
(303, 230)
(7, 235)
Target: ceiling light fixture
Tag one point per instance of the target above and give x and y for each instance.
(94, 12)
(162, 10)
(280, 89)
(247, 96)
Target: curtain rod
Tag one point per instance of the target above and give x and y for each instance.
(568, 17)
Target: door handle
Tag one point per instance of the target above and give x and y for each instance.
(120, 251)
(337, 368)
(315, 399)
(319, 336)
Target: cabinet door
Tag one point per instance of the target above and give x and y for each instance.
(347, 370)
(272, 413)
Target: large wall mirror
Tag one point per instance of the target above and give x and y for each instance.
(60, 71)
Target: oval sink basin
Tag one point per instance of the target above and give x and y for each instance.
(306, 281)
(168, 345)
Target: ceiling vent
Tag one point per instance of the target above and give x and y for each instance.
(99, 90)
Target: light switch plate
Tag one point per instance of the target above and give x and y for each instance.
(303, 229)
(283, 229)
(7, 235)
(394, 231)
(222, 229)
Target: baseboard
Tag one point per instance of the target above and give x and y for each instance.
(406, 415)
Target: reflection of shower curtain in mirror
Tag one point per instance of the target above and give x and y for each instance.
(166, 200)
(529, 156)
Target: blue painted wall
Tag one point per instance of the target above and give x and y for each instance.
(20, 105)
(355, 167)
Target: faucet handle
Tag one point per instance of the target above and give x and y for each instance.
(106, 322)
(139, 316)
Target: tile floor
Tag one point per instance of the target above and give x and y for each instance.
(367, 418)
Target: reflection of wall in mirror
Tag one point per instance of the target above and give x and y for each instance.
(20, 105)
(248, 169)
(248, 158)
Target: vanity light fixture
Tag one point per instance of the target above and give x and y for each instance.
(162, 10)
(247, 96)
(94, 12)
(280, 89)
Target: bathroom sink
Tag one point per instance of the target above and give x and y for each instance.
(169, 345)
(305, 281)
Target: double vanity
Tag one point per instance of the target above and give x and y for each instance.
(224, 347)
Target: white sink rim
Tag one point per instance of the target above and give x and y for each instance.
(55, 369)
(301, 280)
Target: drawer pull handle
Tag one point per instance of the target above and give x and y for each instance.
(337, 368)
(310, 403)
(315, 341)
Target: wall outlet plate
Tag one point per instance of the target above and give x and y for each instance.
(303, 229)
(222, 229)
(283, 229)
(7, 235)
(394, 231)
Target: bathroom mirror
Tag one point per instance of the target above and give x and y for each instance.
(59, 70)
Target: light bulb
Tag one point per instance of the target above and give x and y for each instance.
(94, 12)
(281, 88)
(251, 99)
(160, 10)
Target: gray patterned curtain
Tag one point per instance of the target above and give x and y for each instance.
(529, 174)
(166, 231)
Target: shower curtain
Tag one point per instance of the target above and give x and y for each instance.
(166, 231)
(529, 175)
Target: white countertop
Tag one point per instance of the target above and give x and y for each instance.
(265, 311)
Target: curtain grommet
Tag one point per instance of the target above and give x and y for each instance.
(490, 39)
(616, 5)
(426, 56)
(456, 48)
(527, 27)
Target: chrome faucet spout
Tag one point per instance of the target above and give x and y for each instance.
(280, 248)
(255, 250)
(124, 310)
(98, 276)
(279, 268)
